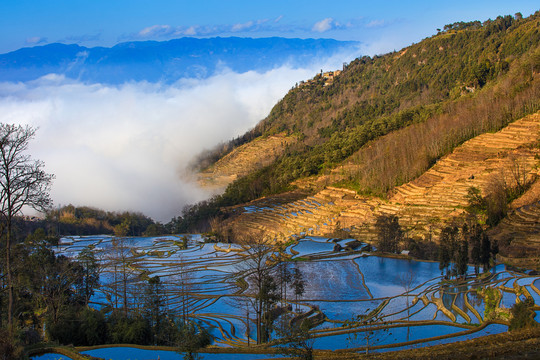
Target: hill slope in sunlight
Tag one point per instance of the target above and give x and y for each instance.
(381, 137)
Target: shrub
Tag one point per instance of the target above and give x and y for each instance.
(522, 315)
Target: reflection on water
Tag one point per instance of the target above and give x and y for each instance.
(339, 286)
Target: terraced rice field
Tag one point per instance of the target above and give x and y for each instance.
(425, 205)
(339, 285)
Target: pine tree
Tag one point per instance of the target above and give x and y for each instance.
(485, 255)
(475, 244)
(444, 258)
(462, 258)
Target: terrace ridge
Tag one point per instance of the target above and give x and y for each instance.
(424, 205)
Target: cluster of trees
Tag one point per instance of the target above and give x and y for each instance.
(149, 323)
(389, 233)
(523, 315)
(51, 294)
(501, 23)
(85, 220)
(456, 249)
(500, 191)
(267, 282)
(460, 247)
(43, 287)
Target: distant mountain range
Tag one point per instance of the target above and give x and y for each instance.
(165, 61)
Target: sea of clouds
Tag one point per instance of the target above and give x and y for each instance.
(126, 147)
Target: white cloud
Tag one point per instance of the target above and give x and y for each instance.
(323, 25)
(156, 30)
(376, 23)
(190, 31)
(36, 40)
(242, 27)
(124, 148)
(169, 31)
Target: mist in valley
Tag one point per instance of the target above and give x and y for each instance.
(126, 147)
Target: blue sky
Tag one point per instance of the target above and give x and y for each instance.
(384, 25)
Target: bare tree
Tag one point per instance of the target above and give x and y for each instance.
(518, 169)
(406, 280)
(257, 270)
(119, 263)
(23, 183)
(370, 327)
(184, 286)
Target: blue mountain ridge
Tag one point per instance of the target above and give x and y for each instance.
(163, 61)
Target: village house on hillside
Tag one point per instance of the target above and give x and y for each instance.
(328, 78)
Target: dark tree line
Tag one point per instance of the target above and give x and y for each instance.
(456, 249)
(460, 247)
(389, 233)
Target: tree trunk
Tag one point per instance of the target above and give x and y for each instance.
(9, 277)
(125, 292)
(367, 344)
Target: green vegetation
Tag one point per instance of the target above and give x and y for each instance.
(84, 220)
(454, 254)
(389, 234)
(391, 117)
(191, 338)
(492, 297)
(522, 315)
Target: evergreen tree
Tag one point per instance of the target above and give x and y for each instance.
(154, 309)
(462, 258)
(192, 337)
(522, 315)
(444, 258)
(475, 240)
(485, 255)
(298, 284)
(389, 233)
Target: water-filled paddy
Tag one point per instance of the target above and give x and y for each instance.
(338, 287)
(129, 353)
(51, 356)
(385, 337)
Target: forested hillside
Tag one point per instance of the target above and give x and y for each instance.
(385, 120)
